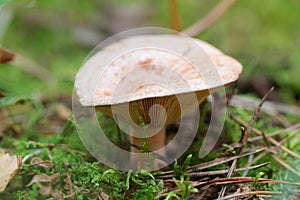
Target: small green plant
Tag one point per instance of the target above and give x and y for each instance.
(257, 177)
(148, 190)
(230, 149)
(184, 186)
(184, 190)
(140, 185)
(34, 193)
(180, 169)
(148, 186)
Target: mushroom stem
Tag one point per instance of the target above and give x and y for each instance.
(144, 145)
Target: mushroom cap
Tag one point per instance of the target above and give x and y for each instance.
(140, 72)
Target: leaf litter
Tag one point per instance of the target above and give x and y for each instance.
(9, 167)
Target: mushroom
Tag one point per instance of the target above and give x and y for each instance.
(149, 82)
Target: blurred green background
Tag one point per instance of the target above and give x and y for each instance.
(53, 37)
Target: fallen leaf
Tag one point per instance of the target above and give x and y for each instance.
(46, 164)
(68, 183)
(43, 178)
(45, 183)
(9, 166)
(6, 56)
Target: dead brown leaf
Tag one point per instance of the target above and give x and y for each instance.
(68, 183)
(43, 178)
(6, 56)
(9, 166)
(46, 164)
(46, 183)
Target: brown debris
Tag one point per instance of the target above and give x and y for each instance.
(46, 183)
(2, 94)
(9, 167)
(6, 56)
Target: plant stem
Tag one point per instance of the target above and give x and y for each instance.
(209, 19)
(176, 24)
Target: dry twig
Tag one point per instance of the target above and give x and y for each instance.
(250, 193)
(254, 117)
(232, 180)
(176, 23)
(212, 173)
(283, 163)
(209, 19)
(245, 137)
(239, 180)
(212, 163)
(269, 138)
(295, 127)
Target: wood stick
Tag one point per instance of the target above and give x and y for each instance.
(209, 19)
(175, 18)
